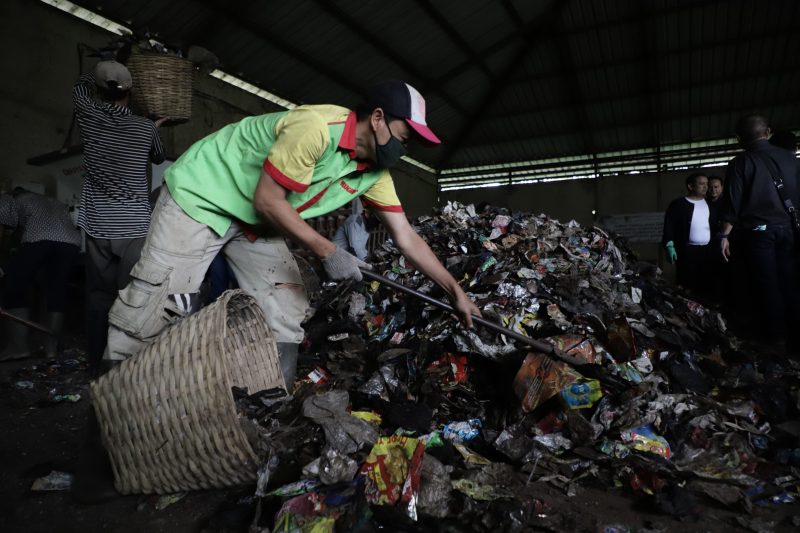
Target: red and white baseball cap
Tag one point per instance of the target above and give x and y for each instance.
(401, 100)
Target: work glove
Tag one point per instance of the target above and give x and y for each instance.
(672, 255)
(341, 265)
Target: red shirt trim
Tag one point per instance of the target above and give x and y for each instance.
(313, 200)
(381, 207)
(282, 179)
(348, 141)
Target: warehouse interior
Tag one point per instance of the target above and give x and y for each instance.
(592, 111)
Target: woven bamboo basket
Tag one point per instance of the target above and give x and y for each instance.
(162, 85)
(167, 415)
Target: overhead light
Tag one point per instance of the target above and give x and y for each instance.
(88, 16)
(252, 89)
(419, 164)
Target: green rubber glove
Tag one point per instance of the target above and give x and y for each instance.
(672, 255)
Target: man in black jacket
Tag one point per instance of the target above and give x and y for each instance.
(755, 210)
(687, 234)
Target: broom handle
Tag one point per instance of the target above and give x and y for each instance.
(24, 322)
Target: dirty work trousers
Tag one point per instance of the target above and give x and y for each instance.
(108, 268)
(693, 268)
(175, 258)
(55, 258)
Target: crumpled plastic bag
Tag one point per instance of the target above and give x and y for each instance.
(434, 488)
(343, 432)
(332, 467)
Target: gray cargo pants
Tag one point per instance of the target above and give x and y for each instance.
(174, 260)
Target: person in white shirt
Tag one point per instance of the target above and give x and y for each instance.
(687, 235)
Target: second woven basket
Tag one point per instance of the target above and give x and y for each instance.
(167, 414)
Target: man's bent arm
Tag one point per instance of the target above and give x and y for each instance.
(270, 201)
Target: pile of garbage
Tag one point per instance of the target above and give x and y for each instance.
(408, 419)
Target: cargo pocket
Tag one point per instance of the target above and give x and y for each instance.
(138, 309)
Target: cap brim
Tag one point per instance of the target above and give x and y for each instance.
(424, 132)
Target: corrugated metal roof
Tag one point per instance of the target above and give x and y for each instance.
(511, 80)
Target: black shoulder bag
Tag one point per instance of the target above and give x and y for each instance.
(794, 216)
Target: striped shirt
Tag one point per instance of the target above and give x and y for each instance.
(39, 218)
(117, 148)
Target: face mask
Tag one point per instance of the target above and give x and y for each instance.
(387, 155)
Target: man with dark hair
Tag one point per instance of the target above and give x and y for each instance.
(687, 234)
(751, 128)
(713, 200)
(114, 210)
(244, 188)
(719, 272)
(759, 183)
(714, 189)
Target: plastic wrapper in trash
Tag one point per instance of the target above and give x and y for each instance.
(557, 316)
(616, 528)
(512, 291)
(319, 376)
(356, 305)
(470, 457)
(462, 431)
(392, 472)
(303, 514)
(555, 442)
(581, 394)
(454, 366)
(331, 467)
(265, 473)
(316, 511)
(613, 448)
(343, 432)
(55, 397)
(645, 439)
(434, 488)
(540, 377)
(168, 499)
(479, 491)
(629, 372)
(513, 443)
(53, 481)
(432, 440)
(469, 341)
(368, 416)
(294, 489)
(312, 468)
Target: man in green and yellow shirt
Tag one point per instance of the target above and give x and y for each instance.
(244, 188)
